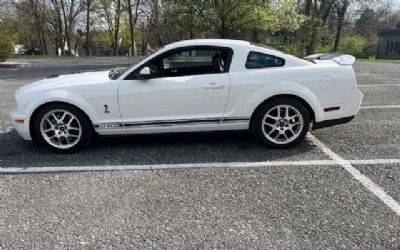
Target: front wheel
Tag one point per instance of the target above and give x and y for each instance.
(62, 128)
(281, 123)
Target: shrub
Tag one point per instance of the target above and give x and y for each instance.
(321, 49)
(295, 49)
(353, 45)
(5, 48)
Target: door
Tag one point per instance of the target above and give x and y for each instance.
(187, 91)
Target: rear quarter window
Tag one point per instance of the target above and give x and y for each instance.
(257, 60)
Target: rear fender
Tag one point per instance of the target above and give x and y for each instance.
(286, 88)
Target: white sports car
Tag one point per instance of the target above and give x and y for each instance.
(188, 86)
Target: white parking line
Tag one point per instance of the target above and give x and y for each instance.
(381, 107)
(378, 85)
(15, 170)
(374, 162)
(6, 130)
(164, 166)
(366, 74)
(364, 180)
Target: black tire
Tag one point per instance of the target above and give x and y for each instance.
(85, 124)
(260, 113)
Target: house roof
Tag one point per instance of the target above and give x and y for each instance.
(389, 32)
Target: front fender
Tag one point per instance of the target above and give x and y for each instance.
(62, 96)
(286, 88)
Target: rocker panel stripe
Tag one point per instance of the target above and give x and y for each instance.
(162, 123)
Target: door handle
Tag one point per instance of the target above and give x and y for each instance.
(214, 85)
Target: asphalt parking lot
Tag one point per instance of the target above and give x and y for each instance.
(339, 189)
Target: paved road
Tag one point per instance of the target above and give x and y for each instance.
(291, 206)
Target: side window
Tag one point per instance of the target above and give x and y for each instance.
(191, 62)
(393, 48)
(190, 59)
(256, 60)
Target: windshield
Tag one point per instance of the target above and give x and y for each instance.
(117, 72)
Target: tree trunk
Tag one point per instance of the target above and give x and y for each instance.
(61, 39)
(338, 35)
(88, 51)
(45, 50)
(40, 35)
(319, 16)
(144, 41)
(254, 35)
(132, 23)
(76, 45)
(56, 50)
(116, 30)
(339, 28)
(310, 49)
(39, 26)
(222, 31)
(307, 10)
(66, 28)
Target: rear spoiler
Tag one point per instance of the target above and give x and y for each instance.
(341, 59)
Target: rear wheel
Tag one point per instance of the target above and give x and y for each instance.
(62, 128)
(281, 123)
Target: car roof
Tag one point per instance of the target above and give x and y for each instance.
(217, 42)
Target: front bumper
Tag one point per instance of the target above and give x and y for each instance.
(21, 127)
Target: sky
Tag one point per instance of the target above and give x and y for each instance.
(396, 4)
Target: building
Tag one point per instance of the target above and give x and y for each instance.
(389, 44)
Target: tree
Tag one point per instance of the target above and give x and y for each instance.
(56, 27)
(31, 14)
(318, 12)
(186, 15)
(117, 27)
(341, 7)
(226, 17)
(88, 10)
(110, 14)
(372, 21)
(284, 16)
(133, 14)
(354, 45)
(5, 41)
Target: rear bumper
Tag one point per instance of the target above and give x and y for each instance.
(345, 111)
(21, 128)
(330, 123)
(345, 114)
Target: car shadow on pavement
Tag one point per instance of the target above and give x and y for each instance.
(155, 149)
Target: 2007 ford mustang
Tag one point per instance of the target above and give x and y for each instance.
(194, 85)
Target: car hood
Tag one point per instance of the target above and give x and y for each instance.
(66, 81)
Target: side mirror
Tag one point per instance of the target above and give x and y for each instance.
(144, 74)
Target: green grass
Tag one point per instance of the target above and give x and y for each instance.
(373, 59)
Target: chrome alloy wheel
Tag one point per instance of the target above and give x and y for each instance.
(61, 129)
(282, 124)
